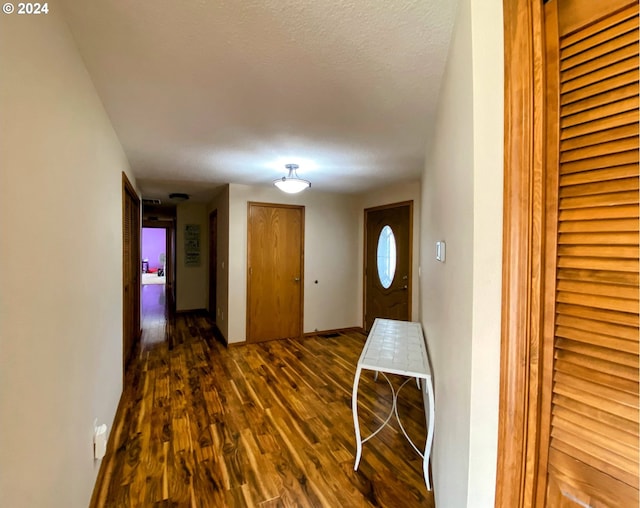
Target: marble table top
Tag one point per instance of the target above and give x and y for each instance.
(396, 347)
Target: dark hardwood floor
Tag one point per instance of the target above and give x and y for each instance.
(267, 425)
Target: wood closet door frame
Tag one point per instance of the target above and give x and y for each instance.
(131, 269)
(523, 356)
(523, 435)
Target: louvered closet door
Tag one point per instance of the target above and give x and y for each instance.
(593, 452)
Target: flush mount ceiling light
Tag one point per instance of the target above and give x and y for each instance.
(178, 196)
(291, 184)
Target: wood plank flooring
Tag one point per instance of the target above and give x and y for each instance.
(265, 425)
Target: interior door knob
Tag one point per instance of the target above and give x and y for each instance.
(296, 279)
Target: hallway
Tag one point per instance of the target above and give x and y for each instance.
(154, 315)
(258, 425)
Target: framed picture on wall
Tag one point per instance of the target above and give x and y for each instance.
(192, 245)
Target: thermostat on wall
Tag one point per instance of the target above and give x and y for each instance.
(441, 251)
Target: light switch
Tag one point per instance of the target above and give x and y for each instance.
(441, 251)
(100, 442)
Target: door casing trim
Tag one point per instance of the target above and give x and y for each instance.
(213, 266)
(521, 366)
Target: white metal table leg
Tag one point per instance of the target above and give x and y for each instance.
(428, 399)
(397, 347)
(356, 423)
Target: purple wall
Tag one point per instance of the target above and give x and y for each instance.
(154, 243)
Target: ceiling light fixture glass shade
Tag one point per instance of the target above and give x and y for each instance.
(291, 184)
(179, 197)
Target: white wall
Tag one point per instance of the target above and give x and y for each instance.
(462, 205)
(407, 191)
(61, 269)
(192, 282)
(447, 288)
(331, 257)
(488, 107)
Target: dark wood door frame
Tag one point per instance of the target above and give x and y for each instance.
(131, 261)
(213, 264)
(364, 259)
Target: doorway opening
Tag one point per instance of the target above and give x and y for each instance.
(153, 292)
(154, 256)
(157, 269)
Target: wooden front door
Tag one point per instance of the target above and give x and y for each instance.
(275, 271)
(387, 268)
(131, 268)
(569, 403)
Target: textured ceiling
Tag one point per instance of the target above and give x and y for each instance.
(204, 92)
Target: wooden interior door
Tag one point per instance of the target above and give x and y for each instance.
(131, 268)
(275, 281)
(394, 300)
(592, 63)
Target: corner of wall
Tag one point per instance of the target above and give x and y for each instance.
(488, 87)
(221, 203)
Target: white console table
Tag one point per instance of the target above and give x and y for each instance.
(397, 347)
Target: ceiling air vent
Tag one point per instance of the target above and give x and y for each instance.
(151, 201)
